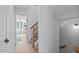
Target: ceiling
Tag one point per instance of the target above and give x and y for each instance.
(21, 7)
(60, 11)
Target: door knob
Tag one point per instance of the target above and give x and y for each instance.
(6, 40)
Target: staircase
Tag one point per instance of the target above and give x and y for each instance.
(35, 36)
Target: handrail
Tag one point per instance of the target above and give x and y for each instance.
(76, 49)
(34, 35)
(34, 25)
(63, 46)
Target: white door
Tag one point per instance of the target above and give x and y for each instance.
(7, 29)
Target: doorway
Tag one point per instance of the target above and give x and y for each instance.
(22, 44)
(21, 37)
(69, 36)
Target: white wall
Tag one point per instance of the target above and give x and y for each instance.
(7, 28)
(11, 28)
(48, 31)
(68, 35)
(3, 27)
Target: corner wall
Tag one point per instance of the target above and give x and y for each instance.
(48, 31)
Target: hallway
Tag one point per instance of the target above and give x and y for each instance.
(45, 29)
(22, 45)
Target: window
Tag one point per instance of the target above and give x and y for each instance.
(21, 23)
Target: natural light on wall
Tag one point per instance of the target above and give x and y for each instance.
(75, 26)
